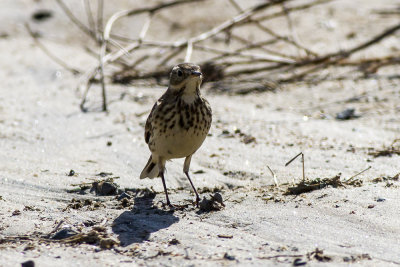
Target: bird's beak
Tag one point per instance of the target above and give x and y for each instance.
(196, 73)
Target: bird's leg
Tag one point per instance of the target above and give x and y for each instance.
(186, 166)
(194, 189)
(161, 166)
(165, 188)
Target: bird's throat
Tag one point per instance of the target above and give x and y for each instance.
(191, 91)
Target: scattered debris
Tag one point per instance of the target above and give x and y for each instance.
(272, 197)
(357, 258)
(347, 114)
(125, 203)
(97, 236)
(225, 236)
(108, 243)
(318, 254)
(92, 237)
(123, 195)
(386, 179)
(29, 247)
(142, 192)
(387, 151)
(241, 175)
(244, 138)
(210, 189)
(215, 203)
(77, 204)
(247, 139)
(316, 184)
(106, 187)
(30, 208)
(100, 187)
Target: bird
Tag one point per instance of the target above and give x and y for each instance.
(178, 124)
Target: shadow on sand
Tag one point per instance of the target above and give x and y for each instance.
(135, 226)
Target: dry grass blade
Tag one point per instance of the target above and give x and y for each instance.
(273, 176)
(49, 53)
(355, 175)
(75, 20)
(302, 161)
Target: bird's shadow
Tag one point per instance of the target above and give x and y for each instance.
(135, 226)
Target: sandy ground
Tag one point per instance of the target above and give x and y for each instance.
(43, 136)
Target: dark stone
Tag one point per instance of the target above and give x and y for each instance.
(42, 15)
(229, 257)
(64, 233)
(299, 262)
(29, 263)
(347, 114)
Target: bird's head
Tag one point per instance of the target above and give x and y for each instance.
(185, 76)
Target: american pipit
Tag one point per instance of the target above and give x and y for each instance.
(177, 124)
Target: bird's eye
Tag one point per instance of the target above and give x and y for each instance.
(180, 73)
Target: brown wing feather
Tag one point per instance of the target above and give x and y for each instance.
(148, 127)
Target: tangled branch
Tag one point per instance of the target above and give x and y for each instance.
(239, 63)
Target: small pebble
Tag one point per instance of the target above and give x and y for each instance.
(42, 15)
(299, 262)
(174, 241)
(29, 263)
(64, 233)
(104, 188)
(16, 213)
(347, 114)
(380, 199)
(229, 257)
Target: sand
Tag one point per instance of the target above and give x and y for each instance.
(44, 135)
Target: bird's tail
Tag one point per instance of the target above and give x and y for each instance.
(150, 170)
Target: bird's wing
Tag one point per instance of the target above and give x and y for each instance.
(148, 127)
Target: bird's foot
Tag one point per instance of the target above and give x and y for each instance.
(197, 201)
(175, 206)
